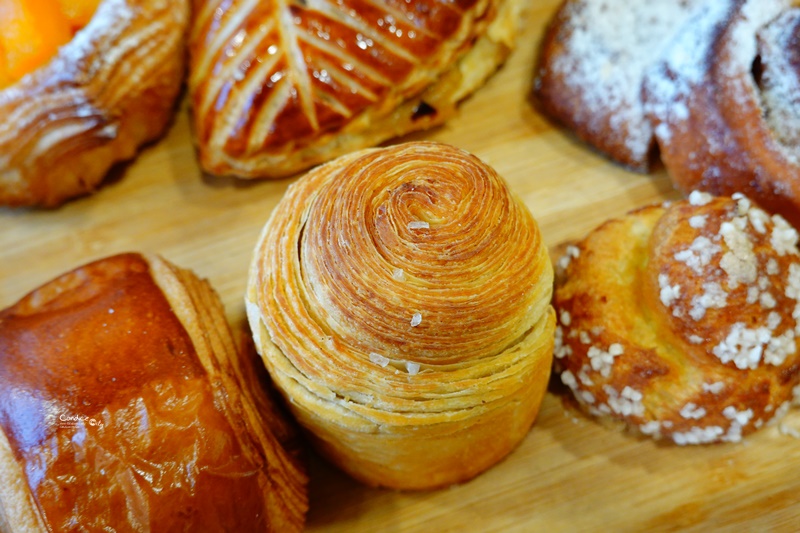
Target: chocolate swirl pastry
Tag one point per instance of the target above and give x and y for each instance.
(681, 321)
(400, 298)
(124, 405)
(711, 85)
(107, 92)
(279, 87)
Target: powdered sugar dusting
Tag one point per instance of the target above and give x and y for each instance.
(604, 42)
(780, 81)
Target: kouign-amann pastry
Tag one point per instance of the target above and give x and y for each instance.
(279, 87)
(713, 84)
(124, 405)
(105, 93)
(681, 321)
(725, 103)
(400, 298)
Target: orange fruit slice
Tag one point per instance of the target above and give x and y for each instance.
(32, 32)
(79, 12)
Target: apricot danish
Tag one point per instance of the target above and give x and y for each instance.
(400, 298)
(682, 321)
(105, 93)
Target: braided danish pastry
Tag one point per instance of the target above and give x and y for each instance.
(682, 321)
(400, 298)
(727, 116)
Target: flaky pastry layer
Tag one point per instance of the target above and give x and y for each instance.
(400, 298)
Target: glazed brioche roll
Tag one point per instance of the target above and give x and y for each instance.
(681, 321)
(125, 406)
(107, 92)
(400, 298)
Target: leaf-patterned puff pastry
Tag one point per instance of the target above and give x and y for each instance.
(278, 87)
(400, 298)
(107, 92)
(683, 321)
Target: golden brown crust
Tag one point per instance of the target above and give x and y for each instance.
(400, 299)
(681, 321)
(125, 404)
(107, 92)
(725, 115)
(279, 87)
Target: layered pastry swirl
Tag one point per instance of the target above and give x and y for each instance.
(125, 406)
(104, 94)
(710, 85)
(278, 87)
(681, 321)
(400, 298)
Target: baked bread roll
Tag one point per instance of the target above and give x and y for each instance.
(400, 298)
(681, 322)
(108, 91)
(711, 85)
(277, 88)
(124, 405)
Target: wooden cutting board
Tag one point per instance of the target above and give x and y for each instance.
(570, 473)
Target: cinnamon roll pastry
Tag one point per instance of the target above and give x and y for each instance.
(105, 93)
(400, 298)
(593, 60)
(727, 113)
(279, 87)
(124, 405)
(681, 321)
(711, 85)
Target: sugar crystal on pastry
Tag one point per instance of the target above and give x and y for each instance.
(721, 342)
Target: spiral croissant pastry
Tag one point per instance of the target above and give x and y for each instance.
(727, 115)
(682, 321)
(107, 92)
(400, 298)
(125, 406)
(278, 87)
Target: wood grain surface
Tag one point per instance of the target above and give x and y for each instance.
(570, 473)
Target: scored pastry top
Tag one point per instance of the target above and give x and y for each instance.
(277, 87)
